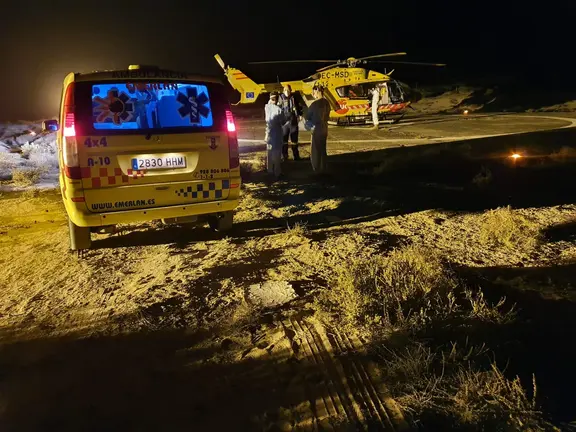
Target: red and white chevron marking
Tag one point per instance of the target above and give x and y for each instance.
(344, 107)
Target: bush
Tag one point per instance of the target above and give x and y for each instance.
(42, 155)
(25, 177)
(388, 293)
(447, 392)
(483, 178)
(505, 228)
(410, 305)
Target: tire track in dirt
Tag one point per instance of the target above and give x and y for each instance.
(339, 389)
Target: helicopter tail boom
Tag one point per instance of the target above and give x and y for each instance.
(248, 89)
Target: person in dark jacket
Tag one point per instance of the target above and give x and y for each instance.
(317, 122)
(293, 112)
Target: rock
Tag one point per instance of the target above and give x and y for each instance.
(270, 293)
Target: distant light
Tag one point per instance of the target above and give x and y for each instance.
(515, 156)
(465, 112)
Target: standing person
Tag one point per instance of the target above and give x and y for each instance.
(317, 120)
(375, 102)
(292, 111)
(274, 120)
(384, 96)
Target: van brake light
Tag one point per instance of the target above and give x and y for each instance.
(69, 127)
(234, 154)
(231, 126)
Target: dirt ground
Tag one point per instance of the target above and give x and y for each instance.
(154, 329)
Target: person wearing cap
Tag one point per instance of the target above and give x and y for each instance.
(275, 119)
(293, 112)
(317, 120)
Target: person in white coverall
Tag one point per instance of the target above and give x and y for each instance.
(317, 121)
(275, 119)
(375, 103)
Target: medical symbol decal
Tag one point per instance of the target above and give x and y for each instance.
(117, 107)
(193, 104)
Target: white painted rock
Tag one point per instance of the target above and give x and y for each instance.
(270, 293)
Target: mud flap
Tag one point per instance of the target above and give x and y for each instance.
(80, 237)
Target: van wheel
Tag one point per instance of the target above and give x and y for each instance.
(79, 236)
(222, 221)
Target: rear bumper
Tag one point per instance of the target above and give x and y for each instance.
(143, 215)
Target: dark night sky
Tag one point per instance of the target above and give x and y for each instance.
(40, 44)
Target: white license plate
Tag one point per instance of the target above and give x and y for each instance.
(150, 162)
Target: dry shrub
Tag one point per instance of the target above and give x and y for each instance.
(31, 193)
(480, 310)
(25, 177)
(251, 207)
(449, 389)
(505, 228)
(296, 231)
(410, 298)
(412, 294)
(402, 290)
(253, 165)
(565, 154)
(246, 168)
(415, 156)
(483, 178)
(294, 236)
(409, 290)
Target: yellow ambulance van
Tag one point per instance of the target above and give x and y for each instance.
(145, 144)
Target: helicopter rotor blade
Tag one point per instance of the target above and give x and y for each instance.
(409, 63)
(383, 55)
(331, 66)
(294, 61)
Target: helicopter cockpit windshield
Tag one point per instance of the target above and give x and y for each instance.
(395, 92)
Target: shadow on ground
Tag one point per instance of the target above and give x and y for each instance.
(157, 381)
(471, 175)
(164, 380)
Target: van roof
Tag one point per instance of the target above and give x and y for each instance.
(144, 74)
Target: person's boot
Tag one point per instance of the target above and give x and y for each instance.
(295, 152)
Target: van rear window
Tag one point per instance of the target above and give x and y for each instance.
(150, 105)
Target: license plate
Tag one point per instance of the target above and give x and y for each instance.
(150, 162)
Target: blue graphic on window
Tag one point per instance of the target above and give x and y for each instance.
(154, 105)
(249, 95)
(193, 104)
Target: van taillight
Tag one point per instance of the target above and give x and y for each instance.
(232, 141)
(231, 126)
(69, 143)
(69, 129)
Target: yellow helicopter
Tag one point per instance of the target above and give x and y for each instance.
(348, 88)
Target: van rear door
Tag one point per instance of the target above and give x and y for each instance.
(152, 143)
